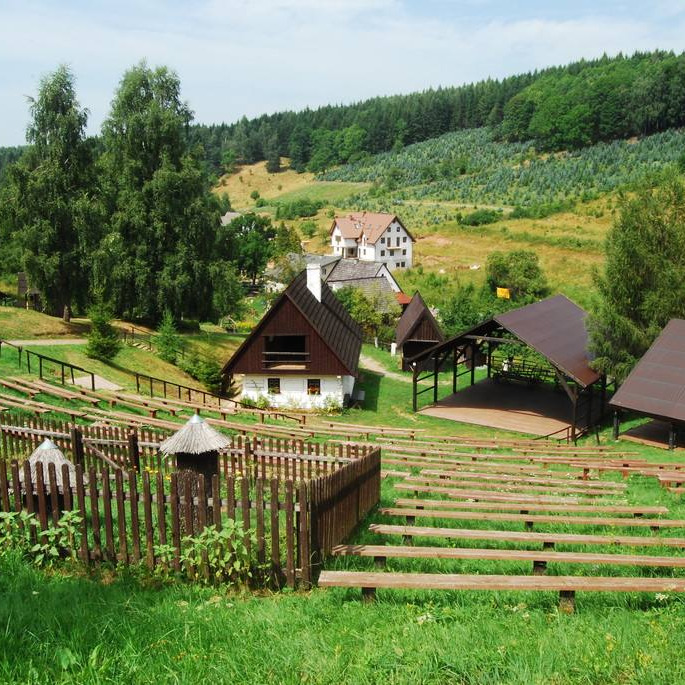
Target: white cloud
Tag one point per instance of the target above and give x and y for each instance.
(239, 57)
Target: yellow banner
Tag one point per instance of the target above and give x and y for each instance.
(503, 293)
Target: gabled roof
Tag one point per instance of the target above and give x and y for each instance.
(656, 386)
(350, 269)
(554, 327)
(371, 224)
(413, 315)
(329, 319)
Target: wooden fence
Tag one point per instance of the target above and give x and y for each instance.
(297, 502)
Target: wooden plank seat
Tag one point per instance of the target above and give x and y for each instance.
(520, 478)
(530, 519)
(668, 480)
(567, 586)
(375, 430)
(172, 405)
(18, 387)
(540, 558)
(547, 540)
(442, 440)
(486, 495)
(45, 388)
(464, 465)
(417, 445)
(512, 487)
(522, 508)
(37, 408)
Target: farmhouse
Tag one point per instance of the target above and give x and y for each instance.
(552, 392)
(372, 237)
(304, 352)
(656, 388)
(417, 330)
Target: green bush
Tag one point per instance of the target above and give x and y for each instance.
(103, 338)
(207, 371)
(298, 208)
(481, 217)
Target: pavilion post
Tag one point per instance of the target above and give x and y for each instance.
(489, 359)
(455, 363)
(617, 423)
(671, 437)
(604, 398)
(473, 362)
(574, 420)
(413, 385)
(436, 367)
(590, 422)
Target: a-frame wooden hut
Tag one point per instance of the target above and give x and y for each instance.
(417, 330)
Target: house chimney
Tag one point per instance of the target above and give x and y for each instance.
(314, 280)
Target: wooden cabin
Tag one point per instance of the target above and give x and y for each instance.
(304, 353)
(417, 330)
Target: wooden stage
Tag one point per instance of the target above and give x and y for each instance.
(653, 433)
(536, 410)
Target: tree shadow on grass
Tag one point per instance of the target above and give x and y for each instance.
(370, 382)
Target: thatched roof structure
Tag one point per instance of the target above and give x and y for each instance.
(195, 437)
(48, 453)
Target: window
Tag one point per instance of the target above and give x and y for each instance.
(398, 229)
(404, 252)
(404, 240)
(273, 386)
(313, 386)
(403, 265)
(397, 243)
(382, 253)
(382, 241)
(285, 350)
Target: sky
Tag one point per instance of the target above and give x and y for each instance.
(248, 57)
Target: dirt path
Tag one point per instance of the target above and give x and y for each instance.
(37, 342)
(372, 365)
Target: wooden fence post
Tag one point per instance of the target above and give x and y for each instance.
(77, 445)
(134, 450)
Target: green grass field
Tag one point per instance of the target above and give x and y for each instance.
(105, 626)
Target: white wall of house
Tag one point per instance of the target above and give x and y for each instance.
(342, 246)
(395, 250)
(293, 390)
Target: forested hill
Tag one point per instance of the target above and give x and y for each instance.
(557, 108)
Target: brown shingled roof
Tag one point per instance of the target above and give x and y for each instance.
(370, 224)
(554, 327)
(329, 318)
(656, 386)
(413, 315)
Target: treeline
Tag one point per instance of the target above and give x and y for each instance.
(128, 220)
(608, 100)
(560, 107)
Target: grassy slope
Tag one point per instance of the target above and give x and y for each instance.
(569, 243)
(16, 323)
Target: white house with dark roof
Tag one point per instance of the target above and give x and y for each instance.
(373, 237)
(304, 352)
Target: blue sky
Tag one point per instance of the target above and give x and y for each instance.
(246, 57)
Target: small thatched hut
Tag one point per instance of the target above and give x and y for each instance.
(48, 453)
(196, 447)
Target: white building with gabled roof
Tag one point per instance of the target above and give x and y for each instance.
(373, 237)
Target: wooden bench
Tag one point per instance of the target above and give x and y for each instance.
(457, 465)
(53, 391)
(530, 519)
(524, 508)
(540, 558)
(447, 476)
(548, 540)
(566, 586)
(486, 495)
(577, 490)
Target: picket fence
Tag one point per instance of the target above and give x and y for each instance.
(296, 499)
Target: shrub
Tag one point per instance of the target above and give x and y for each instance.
(309, 229)
(103, 339)
(481, 217)
(167, 340)
(254, 195)
(207, 371)
(298, 208)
